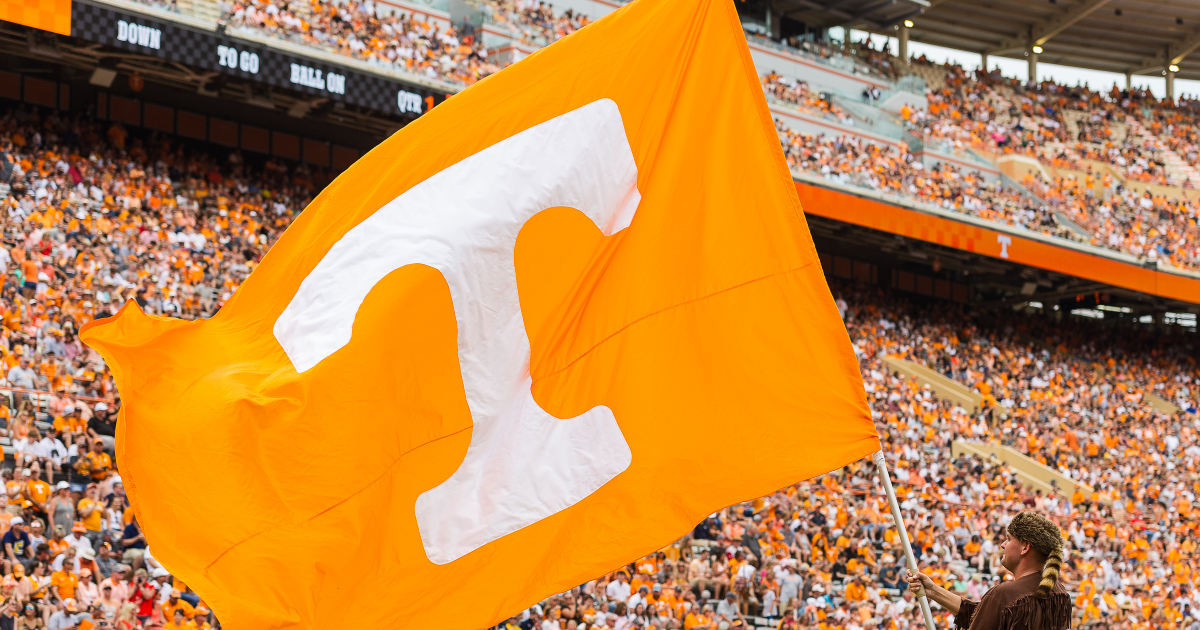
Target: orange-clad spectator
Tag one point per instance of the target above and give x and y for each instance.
(175, 603)
(97, 463)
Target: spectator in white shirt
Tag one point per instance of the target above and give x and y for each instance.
(21, 375)
(618, 590)
(52, 449)
(727, 610)
(789, 587)
(68, 617)
(746, 570)
(78, 538)
(86, 591)
(70, 558)
(638, 598)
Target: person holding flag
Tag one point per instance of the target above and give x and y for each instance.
(1033, 554)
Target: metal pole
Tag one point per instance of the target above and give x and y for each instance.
(881, 466)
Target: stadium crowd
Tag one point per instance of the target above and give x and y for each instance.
(896, 171)
(404, 41)
(90, 217)
(825, 554)
(409, 42)
(534, 20)
(1101, 165)
(1106, 147)
(1083, 202)
(800, 94)
(1061, 125)
(93, 216)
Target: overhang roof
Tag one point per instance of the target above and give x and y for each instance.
(1124, 36)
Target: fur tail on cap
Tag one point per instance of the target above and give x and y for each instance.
(1050, 573)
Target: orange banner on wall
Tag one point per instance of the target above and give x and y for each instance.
(886, 217)
(47, 15)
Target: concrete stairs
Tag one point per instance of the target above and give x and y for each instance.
(1161, 404)
(1177, 168)
(935, 76)
(942, 386)
(1029, 470)
(1071, 118)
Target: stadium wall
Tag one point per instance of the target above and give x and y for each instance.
(806, 123)
(819, 75)
(928, 223)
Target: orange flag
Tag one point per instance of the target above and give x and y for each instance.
(540, 332)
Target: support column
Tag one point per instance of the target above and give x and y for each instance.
(902, 51)
(1170, 84)
(1128, 81)
(1033, 66)
(984, 57)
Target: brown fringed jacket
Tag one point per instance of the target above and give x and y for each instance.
(1014, 605)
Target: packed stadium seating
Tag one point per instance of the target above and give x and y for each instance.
(94, 217)
(1113, 169)
(893, 170)
(403, 41)
(824, 553)
(115, 217)
(799, 93)
(1083, 191)
(534, 20)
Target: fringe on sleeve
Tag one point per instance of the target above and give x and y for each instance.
(966, 610)
(1035, 612)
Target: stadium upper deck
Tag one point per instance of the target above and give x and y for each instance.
(1095, 190)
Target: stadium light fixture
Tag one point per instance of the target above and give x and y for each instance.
(908, 23)
(1037, 50)
(1173, 68)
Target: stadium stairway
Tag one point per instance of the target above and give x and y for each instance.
(1016, 165)
(1162, 404)
(1177, 167)
(942, 386)
(934, 75)
(1030, 471)
(1071, 118)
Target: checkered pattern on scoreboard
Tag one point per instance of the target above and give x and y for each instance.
(227, 55)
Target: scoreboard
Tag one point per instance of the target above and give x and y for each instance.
(228, 54)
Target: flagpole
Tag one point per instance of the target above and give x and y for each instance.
(881, 466)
